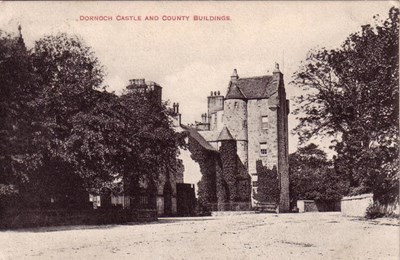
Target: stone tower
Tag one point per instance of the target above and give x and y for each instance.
(235, 117)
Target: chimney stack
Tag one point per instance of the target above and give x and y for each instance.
(277, 68)
(204, 118)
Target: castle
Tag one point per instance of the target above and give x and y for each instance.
(254, 113)
(246, 127)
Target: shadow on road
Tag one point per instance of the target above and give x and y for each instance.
(182, 219)
(163, 220)
(61, 228)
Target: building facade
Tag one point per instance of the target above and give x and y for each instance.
(255, 112)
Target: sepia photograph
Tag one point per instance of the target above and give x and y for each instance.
(199, 130)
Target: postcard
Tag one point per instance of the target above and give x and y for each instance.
(199, 130)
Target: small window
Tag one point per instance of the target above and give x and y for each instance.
(255, 183)
(263, 149)
(264, 122)
(244, 123)
(236, 104)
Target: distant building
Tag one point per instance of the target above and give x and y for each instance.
(143, 86)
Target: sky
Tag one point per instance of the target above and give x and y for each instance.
(191, 58)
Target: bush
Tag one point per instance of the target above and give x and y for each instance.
(373, 212)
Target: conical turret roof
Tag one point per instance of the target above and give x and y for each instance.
(225, 135)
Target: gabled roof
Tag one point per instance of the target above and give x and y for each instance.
(225, 135)
(209, 136)
(252, 88)
(200, 139)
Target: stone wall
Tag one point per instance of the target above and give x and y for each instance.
(306, 206)
(283, 156)
(242, 152)
(257, 134)
(260, 132)
(317, 206)
(356, 206)
(235, 118)
(220, 120)
(216, 121)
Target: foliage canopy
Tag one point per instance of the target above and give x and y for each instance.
(353, 96)
(63, 136)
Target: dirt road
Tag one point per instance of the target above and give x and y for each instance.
(257, 236)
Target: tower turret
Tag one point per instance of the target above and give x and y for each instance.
(235, 116)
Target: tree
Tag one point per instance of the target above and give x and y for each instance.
(99, 145)
(63, 137)
(312, 176)
(268, 184)
(68, 74)
(155, 143)
(353, 96)
(18, 95)
(99, 137)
